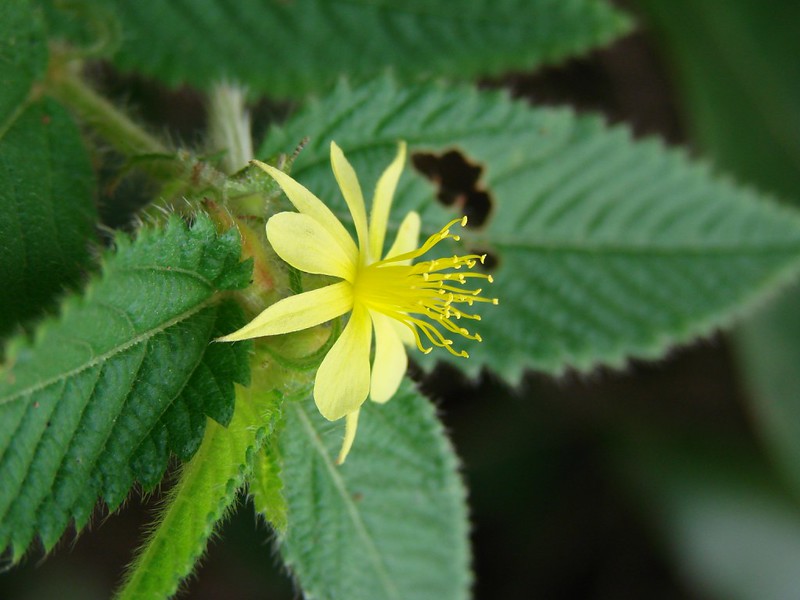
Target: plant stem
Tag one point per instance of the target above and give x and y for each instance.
(180, 172)
(229, 126)
(115, 126)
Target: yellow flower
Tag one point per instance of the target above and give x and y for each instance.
(399, 301)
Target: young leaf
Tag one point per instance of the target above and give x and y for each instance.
(47, 212)
(125, 375)
(207, 488)
(605, 248)
(266, 486)
(287, 49)
(389, 523)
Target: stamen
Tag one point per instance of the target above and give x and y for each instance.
(423, 296)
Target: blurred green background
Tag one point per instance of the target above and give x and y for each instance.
(678, 479)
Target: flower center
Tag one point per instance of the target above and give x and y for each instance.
(428, 296)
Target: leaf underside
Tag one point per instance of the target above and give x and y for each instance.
(389, 523)
(125, 375)
(287, 49)
(606, 248)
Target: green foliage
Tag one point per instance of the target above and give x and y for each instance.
(266, 485)
(602, 248)
(732, 59)
(391, 521)
(125, 375)
(768, 349)
(287, 49)
(208, 486)
(47, 212)
(607, 248)
(23, 58)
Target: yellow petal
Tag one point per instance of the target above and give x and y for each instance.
(407, 238)
(404, 333)
(382, 202)
(298, 312)
(307, 203)
(350, 426)
(351, 190)
(342, 382)
(390, 362)
(305, 244)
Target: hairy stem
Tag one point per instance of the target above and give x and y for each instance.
(180, 172)
(115, 126)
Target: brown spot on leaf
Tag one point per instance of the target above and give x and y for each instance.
(458, 182)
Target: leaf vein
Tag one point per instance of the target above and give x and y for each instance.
(360, 527)
(107, 355)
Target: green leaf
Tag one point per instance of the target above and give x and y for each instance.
(389, 523)
(23, 58)
(731, 60)
(768, 348)
(266, 486)
(125, 375)
(47, 212)
(287, 49)
(607, 248)
(207, 488)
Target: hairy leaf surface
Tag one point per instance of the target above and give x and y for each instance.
(288, 49)
(266, 486)
(389, 523)
(125, 375)
(605, 247)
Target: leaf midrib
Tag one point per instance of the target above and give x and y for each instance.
(101, 358)
(642, 250)
(373, 554)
